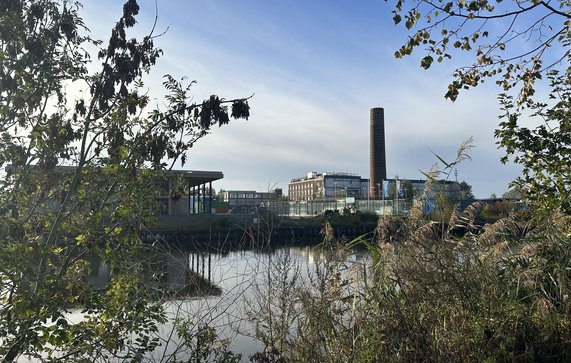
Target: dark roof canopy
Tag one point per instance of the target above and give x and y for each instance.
(198, 177)
(194, 177)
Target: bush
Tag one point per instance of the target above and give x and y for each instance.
(429, 293)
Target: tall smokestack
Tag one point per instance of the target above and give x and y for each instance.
(378, 160)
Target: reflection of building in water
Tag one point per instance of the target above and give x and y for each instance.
(304, 252)
(351, 265)
(177, 272)
(313, 255)
(187, 274)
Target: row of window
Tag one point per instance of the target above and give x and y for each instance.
(254, 195)
(304, 186)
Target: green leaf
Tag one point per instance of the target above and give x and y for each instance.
(447, 165)
(426, 62)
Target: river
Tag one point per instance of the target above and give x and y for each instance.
(242, 279)
(225, 290)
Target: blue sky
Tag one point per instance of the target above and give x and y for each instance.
(316, 68)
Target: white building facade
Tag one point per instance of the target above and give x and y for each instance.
(318, 186)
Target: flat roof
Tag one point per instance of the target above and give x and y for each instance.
(198, 177)
(195, 177)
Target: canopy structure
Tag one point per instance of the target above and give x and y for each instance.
(199, 193)
(197, 178)
(196, 198)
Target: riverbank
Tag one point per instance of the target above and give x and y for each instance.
(253, 231)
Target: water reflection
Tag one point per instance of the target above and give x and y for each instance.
(217, 288)
(177, 273)
(195, 273)
(312, 255)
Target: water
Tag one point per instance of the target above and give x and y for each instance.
(241, 276)
(244, 278)
(220, 289)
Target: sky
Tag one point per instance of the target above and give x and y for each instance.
(315, 69)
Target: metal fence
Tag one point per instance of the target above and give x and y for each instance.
(342, 206)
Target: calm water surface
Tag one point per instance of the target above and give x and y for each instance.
(241, 275)
(218, 289)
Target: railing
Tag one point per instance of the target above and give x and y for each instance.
(316, 207)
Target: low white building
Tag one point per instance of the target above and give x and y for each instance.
(250, 197)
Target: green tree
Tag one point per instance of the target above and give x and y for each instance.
(220, 195)
(543, 151)
(408, 191)
(405, 189)
(80, 167)
(517, 44)
(466, 191)
(492, 31)
(512, 194)
(392, 188)
(496, 210)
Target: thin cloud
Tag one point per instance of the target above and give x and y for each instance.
(315, 79)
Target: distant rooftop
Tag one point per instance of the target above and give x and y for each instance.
(314, 175)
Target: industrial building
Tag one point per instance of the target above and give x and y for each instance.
(319, 186)
(377, 157)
